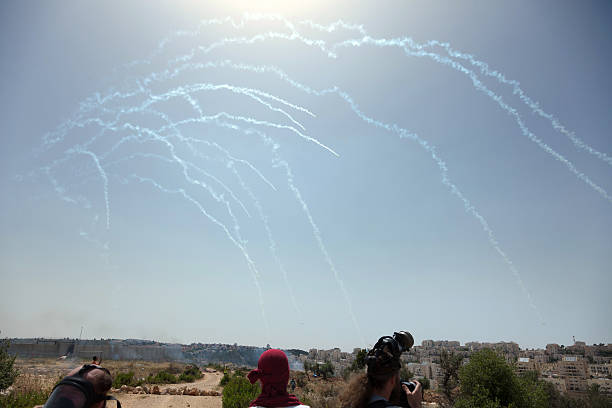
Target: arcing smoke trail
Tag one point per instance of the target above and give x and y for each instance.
(279, 162)
(271, 242)
(104, 179)
(141, 134)
(245, 254)
(403, 133)
(402, 43)
(497, 98)
(177, 65)
(481, 65)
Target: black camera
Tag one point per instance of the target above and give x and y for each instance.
(403, 399)
(410, 384)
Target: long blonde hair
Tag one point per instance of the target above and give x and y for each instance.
(357, 393)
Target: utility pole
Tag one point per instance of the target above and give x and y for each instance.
(77, 343)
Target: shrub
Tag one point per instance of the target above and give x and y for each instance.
(190, 374)
(193, 370)
(186, 378)
(488, 376)
(488, 381)
(225, 379)
(300, 379)
(326, 370)
(239, 392)
(425, 383)
(126, 379)
(8, 372)
(24, 399)
(162, 377)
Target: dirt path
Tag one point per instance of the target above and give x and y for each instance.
(209, 382)
(166, 401)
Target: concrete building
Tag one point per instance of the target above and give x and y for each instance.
(604, 384)
(574, 370)
(600, 370)
(525, 364)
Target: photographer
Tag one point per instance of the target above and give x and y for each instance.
(84, 387)
(381, 386)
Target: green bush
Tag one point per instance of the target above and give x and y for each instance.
(186, 378)
(488, 381)
(162, 377)
(225, 379)
(425, 383)
(193, 370)
(488, 376)
(190, 374)
(8, 372)
(126, 379)
(24, 399)
(239, 392)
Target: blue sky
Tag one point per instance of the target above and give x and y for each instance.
(168, 234)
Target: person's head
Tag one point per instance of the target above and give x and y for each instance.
(383, 365)
(84, 387)
(95, 358)
(272, 368)
(273, 373)
(382, 372)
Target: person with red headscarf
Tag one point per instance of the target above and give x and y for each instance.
(273, 373)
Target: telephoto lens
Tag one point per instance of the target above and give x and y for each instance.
(404, 339)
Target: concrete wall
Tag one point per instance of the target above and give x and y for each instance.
(105, 349)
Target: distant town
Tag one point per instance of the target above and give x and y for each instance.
(571, 369)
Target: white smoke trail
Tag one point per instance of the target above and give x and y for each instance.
(102, 174)
(245, 254)
(402, 43)
(271, 241)
(403, 133)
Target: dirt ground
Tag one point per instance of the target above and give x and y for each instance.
(209, 382)
(44, 373)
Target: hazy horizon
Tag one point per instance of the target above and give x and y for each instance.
(280, 346)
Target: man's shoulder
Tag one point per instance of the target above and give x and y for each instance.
(376, 401)
(382, 404)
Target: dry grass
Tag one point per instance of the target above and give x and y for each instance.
(50, 370)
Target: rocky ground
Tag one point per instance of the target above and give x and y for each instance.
(174, 395)
(203, 393)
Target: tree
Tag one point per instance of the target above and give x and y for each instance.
(360, 360)
(595, 399)
(326, 370)
(532, 392)
(489, 381)
(425, 383)
(8, 372)
(450, 364)
(488, 377)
